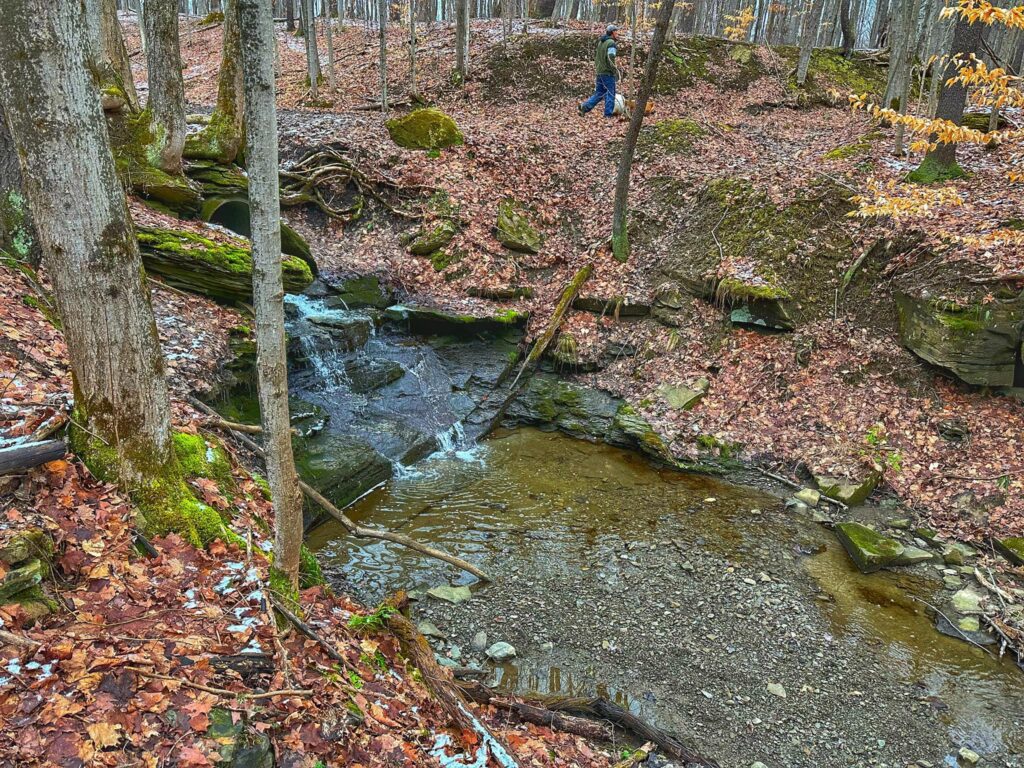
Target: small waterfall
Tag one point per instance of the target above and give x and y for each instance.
(454, 441)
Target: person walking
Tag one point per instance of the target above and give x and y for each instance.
(607, 73)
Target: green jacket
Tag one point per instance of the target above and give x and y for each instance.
(604, 59)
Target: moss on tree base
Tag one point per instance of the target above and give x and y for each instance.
(931, 171)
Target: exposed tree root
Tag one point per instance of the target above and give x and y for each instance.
(324, 176)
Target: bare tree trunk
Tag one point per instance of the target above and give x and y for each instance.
(879, 25)
(122, 411)
(312, 55)
(620, 229)
(331, 82)
(166, 102)
(901, 68)
(382, 63)
(267, 285)
(940, 163)
(109, 56)
(289, 10)
(808, 34)
(412, 47)
(17, 232)
(848, 27)
(462, 39)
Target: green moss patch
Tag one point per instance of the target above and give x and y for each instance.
(426, 128)
(675, 136)
(218, 268)
(203, 457)
(931, 171)
(513, 229)
(433, 238)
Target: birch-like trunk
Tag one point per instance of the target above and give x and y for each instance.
(382, 64)
(166, 102)
(329, 34)
(108, 55)
(620, 231)
(412, 48)
(267, 283)
(88, 243)
(808, 34)
(312, 54)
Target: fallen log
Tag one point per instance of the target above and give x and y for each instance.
(356, 530)
(569, 294)
(16, 458)
(604, 710)
(444, 689)
(533, 713)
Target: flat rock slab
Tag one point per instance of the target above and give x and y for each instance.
(871, 551)
(449, 593)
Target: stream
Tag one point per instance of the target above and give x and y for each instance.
(706, 607)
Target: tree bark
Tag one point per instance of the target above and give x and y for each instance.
(808, 34)
(412, 48)
(312, 54)
(940, 163)
(166, 101)
(89, 246)
(289, 10)
(17, 232)
(462, 39)
(620, 232)
(846, 24)
(108, 56)
(221, 140)
(329, 35)
(257, 22)
(382, 64)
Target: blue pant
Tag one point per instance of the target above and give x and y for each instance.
(605, 89)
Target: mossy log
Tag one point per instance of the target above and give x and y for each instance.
(220, 269)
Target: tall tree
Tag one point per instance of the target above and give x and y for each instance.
(808, 35)
(412, 48)
(222, 138)
(108, 55)
(122, 409)
(312, 54)
(329, 35)
(462, 39)
(268, 289)
(847, 25)
(166, 102)
(289, 12)
(940, 163)
(382, 64)
(620, 227)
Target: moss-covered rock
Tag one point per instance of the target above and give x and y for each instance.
(238, 745)
(674, 136)
(433, 238)
(27, 544)
(1012, 549)
(232, 211)
(218, 179)
(978, 343)
(682, 398)
(426, 128)
(732, 244)
(513, 229)
(360, 292)
(870, 550)
(219, 268)
(19, 579)
(429, 321)
(214, 138)
(849, 491)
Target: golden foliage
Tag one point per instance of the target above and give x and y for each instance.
(739, 23)
(900, 202)
(984, 12)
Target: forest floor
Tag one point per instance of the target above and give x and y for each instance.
(69, 696)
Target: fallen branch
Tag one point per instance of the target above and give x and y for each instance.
(443, 688)
(221, 691)
(26, 455)
(792, 484)
(569, 294)
(249, 429)
(309, 632)
(956, 629)
(352, 527)
(9, 638)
